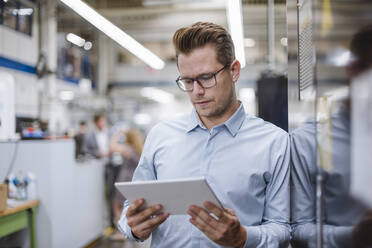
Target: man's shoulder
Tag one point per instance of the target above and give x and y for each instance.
(176, 124)
(253, 124)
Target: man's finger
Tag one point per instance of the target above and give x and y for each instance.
(204, 227)
(218, 212)
(197, 212)
(133, 207)
(152, 223)
(144, 214)
(230, 211)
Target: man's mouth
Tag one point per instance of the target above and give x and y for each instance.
(202, 103)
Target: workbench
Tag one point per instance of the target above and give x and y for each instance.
(16, 218)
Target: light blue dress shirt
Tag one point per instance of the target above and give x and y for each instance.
(246, 162)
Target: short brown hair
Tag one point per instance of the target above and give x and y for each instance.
(97, 117)
(199, 34)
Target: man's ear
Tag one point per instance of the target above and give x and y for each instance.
(235, 70)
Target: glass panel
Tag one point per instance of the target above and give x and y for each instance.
(25, 15)
(328, 188)
(10, 14)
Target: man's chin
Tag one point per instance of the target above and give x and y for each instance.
(201, 111)
(204, 112)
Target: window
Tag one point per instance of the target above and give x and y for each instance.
(16, 15)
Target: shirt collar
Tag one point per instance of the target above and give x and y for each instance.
(233, 124)
(236, 120)
(194, 121)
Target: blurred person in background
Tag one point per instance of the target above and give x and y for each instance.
(96, 145)
(97, 142)
(130, 150)
(79, 139)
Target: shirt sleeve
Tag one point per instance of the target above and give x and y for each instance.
(333, 236)
(144, 171)
(303, 166)
(275, 229)
(303, 160)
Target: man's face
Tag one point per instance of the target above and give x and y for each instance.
(212, 102)
(83, 128)
(101, 122)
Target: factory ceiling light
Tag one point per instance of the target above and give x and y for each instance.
(88, 45)
(114, 33)
(74, 39)
(235, 20)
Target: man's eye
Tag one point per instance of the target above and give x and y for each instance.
(187, 81)
(206, 77)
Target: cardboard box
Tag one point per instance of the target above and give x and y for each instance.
(3, 196)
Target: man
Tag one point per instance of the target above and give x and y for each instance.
(97, 142)
(97, 145)
(244, 159)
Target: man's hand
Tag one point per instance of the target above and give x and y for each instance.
(226, 230)
(143, 222)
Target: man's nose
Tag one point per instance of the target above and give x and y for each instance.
(198, 89)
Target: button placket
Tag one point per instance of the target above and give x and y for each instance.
(210, 151)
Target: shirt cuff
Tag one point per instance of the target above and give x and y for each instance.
(126, 230)
(253, 236)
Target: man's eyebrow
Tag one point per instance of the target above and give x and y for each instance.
(205, 74)
(199, 75)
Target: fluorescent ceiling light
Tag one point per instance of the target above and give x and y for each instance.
(88, 45)
(235, 20)
(74, 39)
(22, 12)
(157, 95)
(114, 33)
(248, 42)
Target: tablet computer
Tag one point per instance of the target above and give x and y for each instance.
(174, 195)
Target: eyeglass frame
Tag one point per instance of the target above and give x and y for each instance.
(197, 80)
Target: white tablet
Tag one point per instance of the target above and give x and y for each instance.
(174, 195)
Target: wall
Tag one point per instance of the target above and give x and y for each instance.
(23, 49)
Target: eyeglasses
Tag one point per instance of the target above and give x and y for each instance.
(205, 81)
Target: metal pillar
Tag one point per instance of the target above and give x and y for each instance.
(271, 34)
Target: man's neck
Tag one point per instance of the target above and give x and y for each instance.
(210, 122)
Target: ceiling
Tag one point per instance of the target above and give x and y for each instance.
(154, 21)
